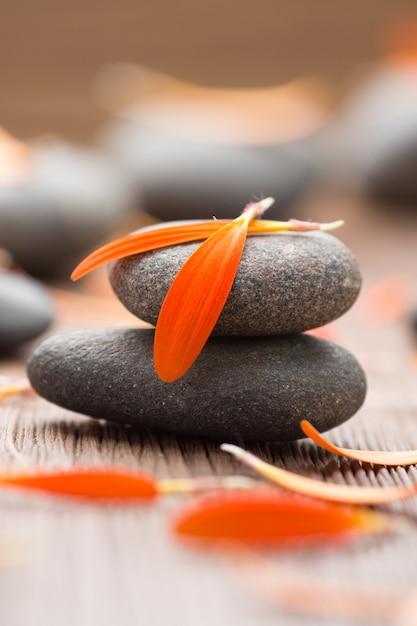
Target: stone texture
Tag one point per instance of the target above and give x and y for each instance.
(286, 283)
(238, 389)
(25, 310)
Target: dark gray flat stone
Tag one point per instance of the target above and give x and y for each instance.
(25, 310)
(286, 283)
(238, 389)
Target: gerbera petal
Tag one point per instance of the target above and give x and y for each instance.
(266, 517)
(144, 241)
(112, 483)
(349, 494)
(9, 386)
(197, 296)
(379, 457)
(91, 483)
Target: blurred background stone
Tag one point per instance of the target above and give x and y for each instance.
(57, 200)
(194, 152)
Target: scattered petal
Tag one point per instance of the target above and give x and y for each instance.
(10, 386)
(191, 485)
(90, 483)
(197, 296)
(349, 494)
(263, 517)
(380, 457)
(110, 483)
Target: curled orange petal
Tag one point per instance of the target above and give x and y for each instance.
(263, 517)
(379, 457)
(197, 296)
(348, 494)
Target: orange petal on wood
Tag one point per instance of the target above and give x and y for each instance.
(196, 298)
(380, 457)
(90, 483)
(263, 517)
(11, 387)
(348, 494)
(145, 241)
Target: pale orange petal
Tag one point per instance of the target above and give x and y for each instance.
(10, 387)
(380, 457)
(349, 494)
(196, 298)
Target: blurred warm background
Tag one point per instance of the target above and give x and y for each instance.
(51, 52)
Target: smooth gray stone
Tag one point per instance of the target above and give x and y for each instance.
(286, 283)
(238, 389)
(70, 200)
(25, 310)
(183, 178)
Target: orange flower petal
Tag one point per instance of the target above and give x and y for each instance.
(348, 494)
(10, 387)
(136, 243)
(88, 483)
(145, 241)
(197, 296)
(110, 483)
(379, 457)
(261, 517)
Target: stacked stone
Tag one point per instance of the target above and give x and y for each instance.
(259, 373)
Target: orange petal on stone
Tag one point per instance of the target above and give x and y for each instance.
(196, 298)
(380, 457)
(347, 494)
(145, 241)
(155, 238)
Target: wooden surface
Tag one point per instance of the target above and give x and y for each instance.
(68, 563)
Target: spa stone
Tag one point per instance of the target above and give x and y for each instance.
(286, 283)
(256, 388)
